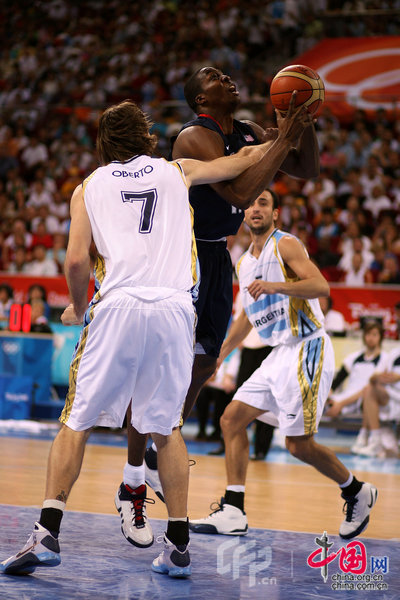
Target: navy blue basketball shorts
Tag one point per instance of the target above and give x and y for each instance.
(214, 304)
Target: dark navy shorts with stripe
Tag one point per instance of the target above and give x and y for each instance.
(214, 304)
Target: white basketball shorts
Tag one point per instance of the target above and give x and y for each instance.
(292, 385)
(132, 350)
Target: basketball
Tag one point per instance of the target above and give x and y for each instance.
(309, 85)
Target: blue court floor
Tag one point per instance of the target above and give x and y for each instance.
(98, 563)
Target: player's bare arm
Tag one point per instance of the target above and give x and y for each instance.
(240, 328)
(302, 159)
(77, 260)
(310, 281)
(225, 167)
(202, 144)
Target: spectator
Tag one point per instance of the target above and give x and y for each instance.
(328, 226)
(381, 404)
(39, 195)
(334, 323)
(358, 367)
(350, 244)
(41, 265)
(50, 222)
(377, 201)
(59, 208)
(358, 273)
(318, 190)
(39, 322)
(349, 213)
(38, 292)
(34, 154)
(371, 175)
(6, 300)
(19, 237)
(20, 264)
(58, 251)
(390, 273)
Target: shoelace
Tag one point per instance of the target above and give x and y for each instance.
(192, 462)
(138, 508)
(348, 508)
(216, 507)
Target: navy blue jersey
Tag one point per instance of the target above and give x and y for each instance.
(214, 218)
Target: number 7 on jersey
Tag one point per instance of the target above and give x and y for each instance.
(149, 199)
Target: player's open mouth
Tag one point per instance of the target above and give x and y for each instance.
(233, 90)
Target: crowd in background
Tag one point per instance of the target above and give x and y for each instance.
(62, 63)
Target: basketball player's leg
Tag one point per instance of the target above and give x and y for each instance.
(359, 496)
(64, 462)
(306, 449)
(237, 416)
(230, 518)
(174, 474)
(137, 442)
(131, 494)
(204, 366)
(173, 466)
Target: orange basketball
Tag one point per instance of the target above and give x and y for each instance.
(309, 85)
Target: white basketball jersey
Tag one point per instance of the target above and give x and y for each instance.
(277, 318)
(141, 222)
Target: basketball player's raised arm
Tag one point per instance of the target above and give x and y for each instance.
(77, 260)
(302, 160)
(239, 329)
(310, 284)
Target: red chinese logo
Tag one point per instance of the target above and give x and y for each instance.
(352, 557)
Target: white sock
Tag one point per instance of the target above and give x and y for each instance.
(374, 435)
(235, 488)
(133, 476)
(348, 482)
(54, 504)
(154, 447)
(363, 431)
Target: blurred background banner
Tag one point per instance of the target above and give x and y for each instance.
(368, 301)
(28, 355)
(359, 73)
(56, 288)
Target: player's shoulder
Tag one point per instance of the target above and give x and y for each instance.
(284, 239)
(197, 130)
(199, 143)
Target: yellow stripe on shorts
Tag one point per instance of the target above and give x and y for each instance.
(310, 386)
(73, 373)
